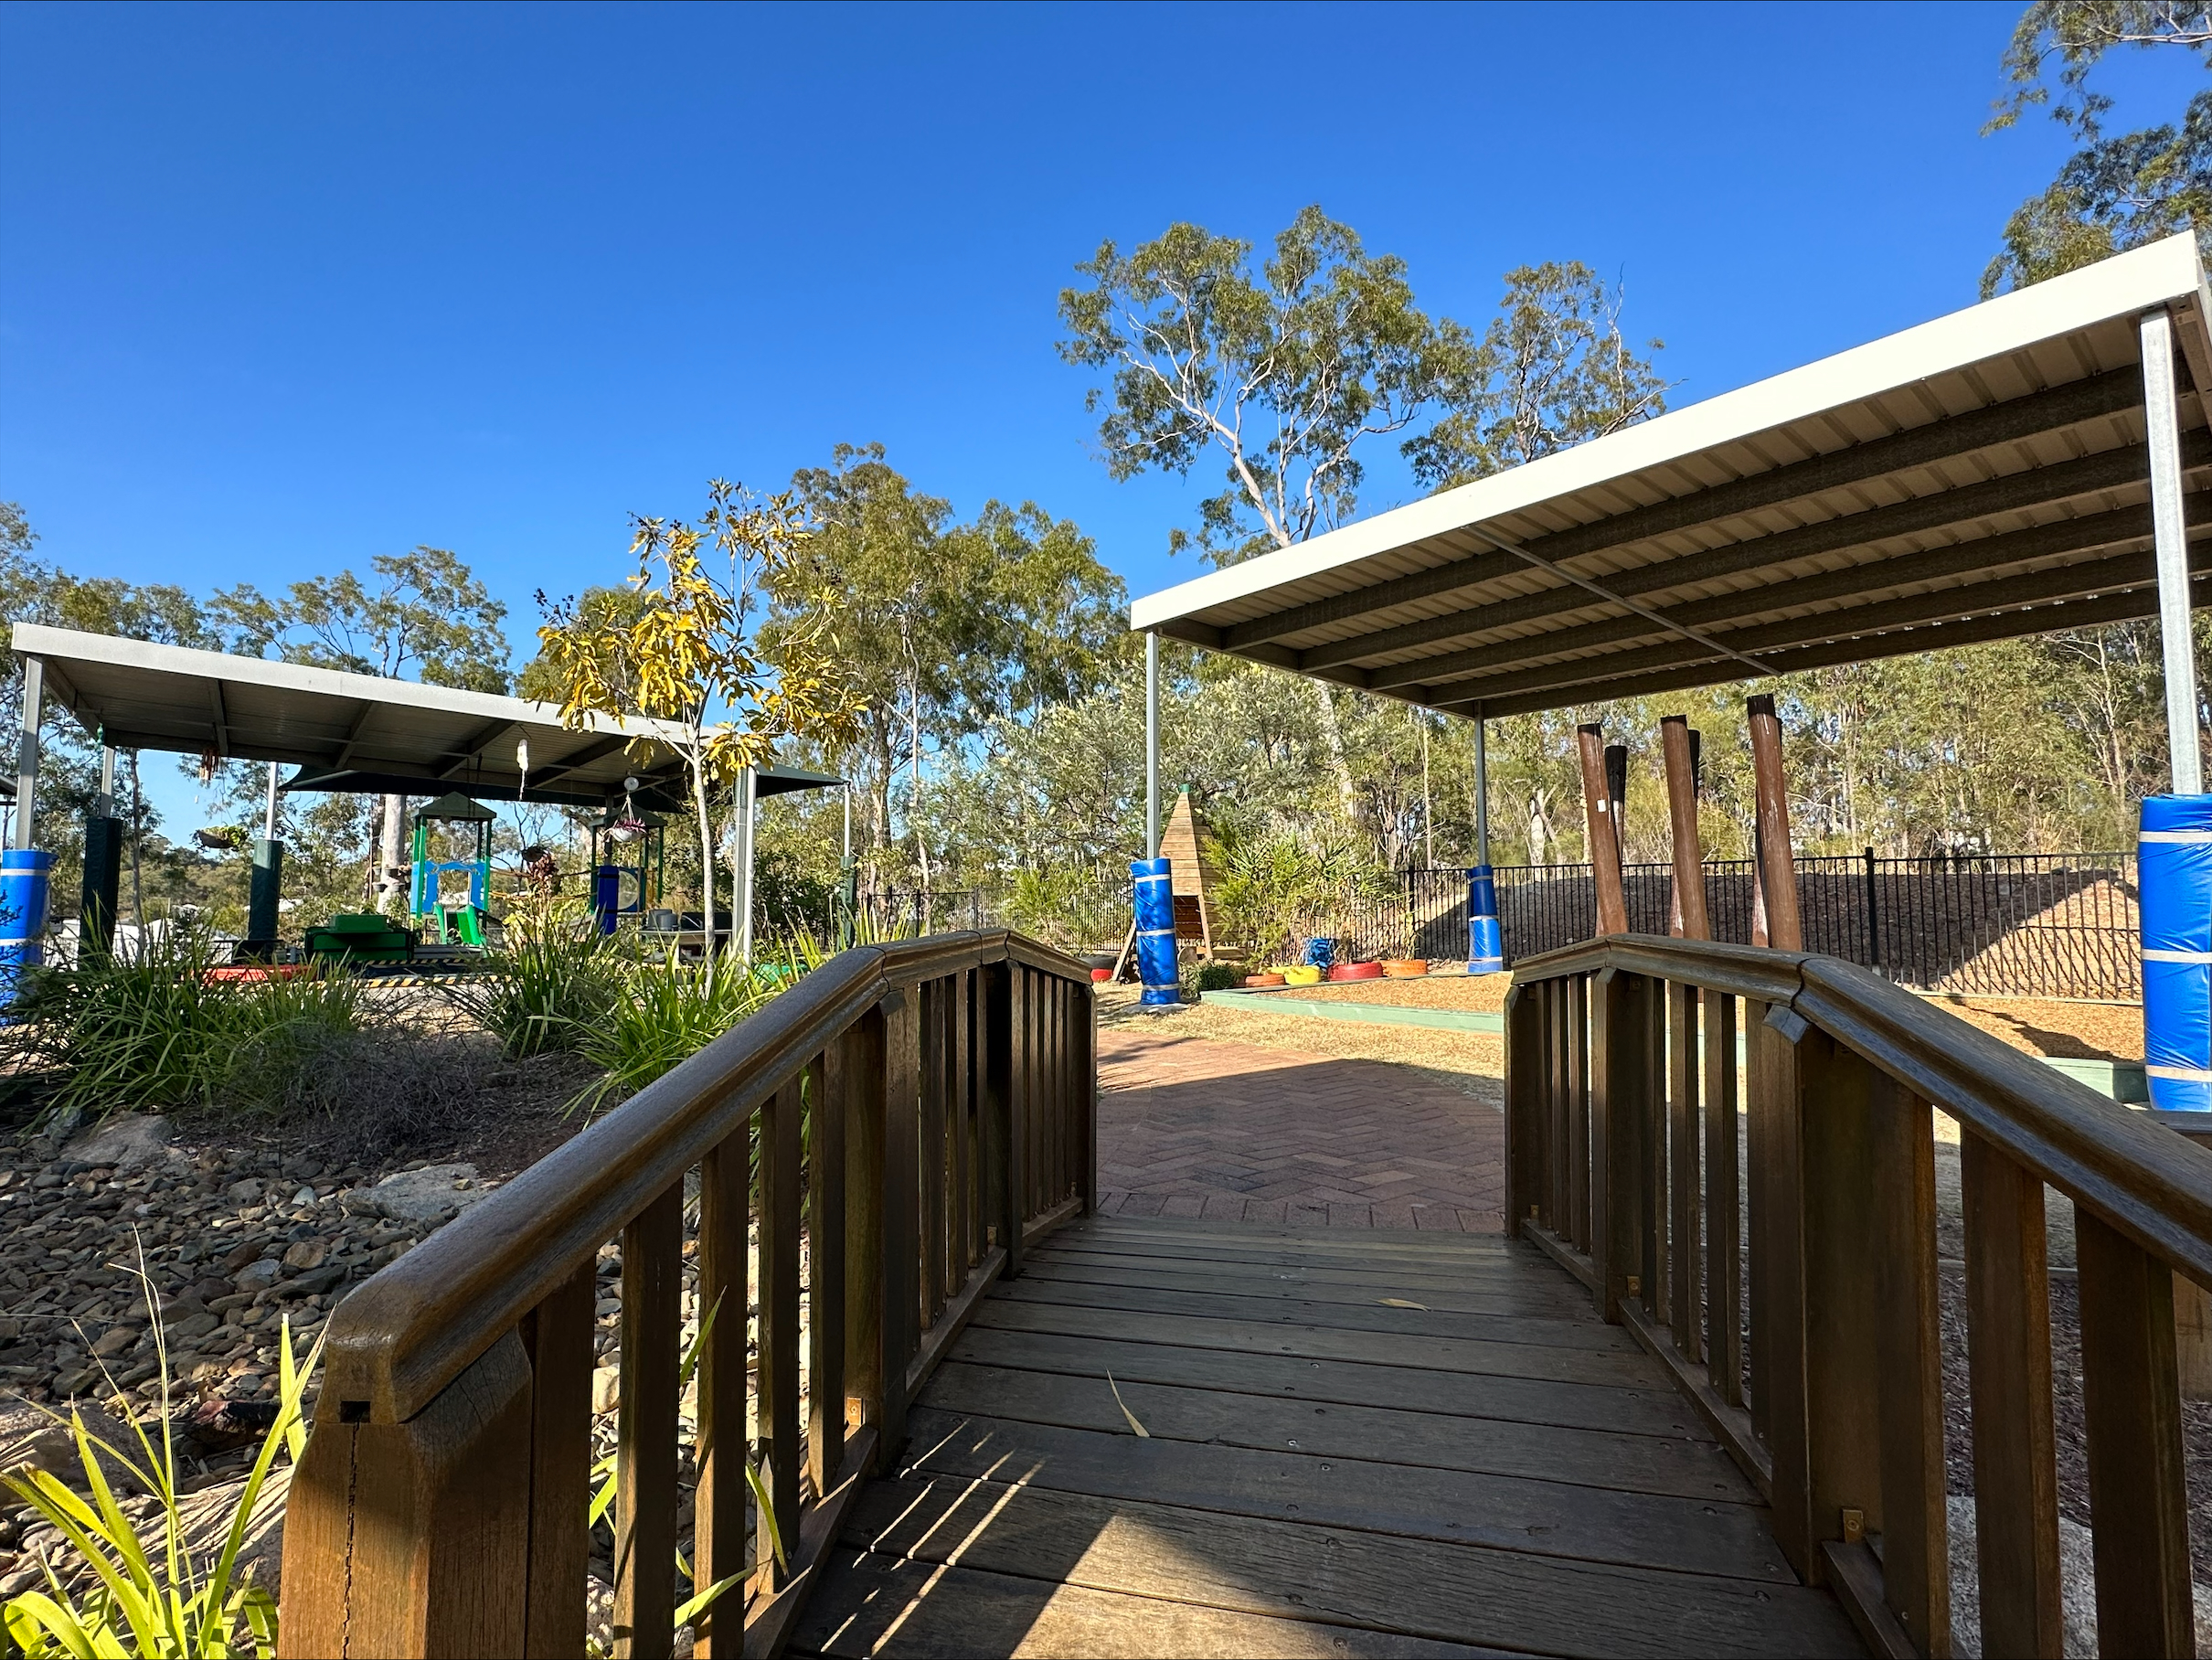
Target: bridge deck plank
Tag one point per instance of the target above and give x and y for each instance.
(1316, 1477)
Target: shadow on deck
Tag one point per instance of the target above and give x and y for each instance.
(1327, 1470)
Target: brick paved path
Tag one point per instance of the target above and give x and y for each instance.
(1200, 1127)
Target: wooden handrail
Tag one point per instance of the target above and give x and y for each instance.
(950, 1087)
(2155, 1186)
(1623, 1139)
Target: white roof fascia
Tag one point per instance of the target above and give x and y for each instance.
(70, 645)
(2122, 286)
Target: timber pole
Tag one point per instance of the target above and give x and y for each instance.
(1675, 735)
(1776, 868)
(1604, 849)
(2170, 538)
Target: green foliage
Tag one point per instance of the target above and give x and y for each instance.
(948, 627)
(666, 1013)
(555, 979)
(1552, 371)
(152, 1593)
(1275, 887)
(425, 611)
(2113, 192)
(1219, 977)
(1073, 907)
(155, 1030)
(1279, 373)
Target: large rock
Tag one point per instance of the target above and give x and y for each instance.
(44, 1441)
(418, 1196)
(127, 1141)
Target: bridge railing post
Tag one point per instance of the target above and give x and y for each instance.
(1620, 1109)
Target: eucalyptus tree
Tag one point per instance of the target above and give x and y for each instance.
(1280, 373)
(948, 626)
(2115, 192)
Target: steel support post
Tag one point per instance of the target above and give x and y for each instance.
(2170, 535)
(1152, 746)
(26, 752)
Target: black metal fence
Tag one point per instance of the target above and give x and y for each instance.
(2050, 925)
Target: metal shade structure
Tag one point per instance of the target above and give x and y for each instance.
(2023, 465)
(356, 733)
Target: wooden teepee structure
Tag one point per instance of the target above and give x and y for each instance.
(1190, 879)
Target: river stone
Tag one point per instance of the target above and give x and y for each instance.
(126, 1142)
(258, 1276)
(417, 1195)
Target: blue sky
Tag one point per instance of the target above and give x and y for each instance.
(281, 288)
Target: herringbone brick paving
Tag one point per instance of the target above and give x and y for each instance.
(1231, 1131)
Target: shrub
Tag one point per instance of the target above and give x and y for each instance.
(557, 978)
(156, 1593)
(154, 1030)
(1219, 977)
(665, 1012)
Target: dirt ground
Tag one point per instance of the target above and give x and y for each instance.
(2093, 1031)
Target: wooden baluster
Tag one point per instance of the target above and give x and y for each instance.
(414, 1538)
(557, 1337)
(1654, 1274)
(961, 1124)
(1578, 1228)
(723, 1502)
(1682, 1145)
(1909, 1355)
(863, 1060)
(901, 1257)
(777, 1231)
(1087, 1082)
(1028, 1092)
(1724, 1218)
(1768, 1140)
(2008, 1329)
(825, 1273)
(2130, 1394)
(1824, 1383)
(1526, 1075)
(645, 1429)
(1548, 1159)
(1049, 1091)
(1620, 1091)
(1000, 1120)
(931, 1146)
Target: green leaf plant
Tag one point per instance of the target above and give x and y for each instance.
(142, 1588)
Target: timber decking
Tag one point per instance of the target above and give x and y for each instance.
(1324, 1473)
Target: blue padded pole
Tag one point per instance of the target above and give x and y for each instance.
(1155, 909)
(1486, 938)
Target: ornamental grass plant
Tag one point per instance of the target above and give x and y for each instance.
(146, 1586)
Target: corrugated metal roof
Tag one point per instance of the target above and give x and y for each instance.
(356, 732)
(1980, 475)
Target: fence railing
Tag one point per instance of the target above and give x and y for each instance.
(2053, 925)
(1821, 1368)
(893, 1130)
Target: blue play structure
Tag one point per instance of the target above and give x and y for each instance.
(2175, 862)
(1485, 940)
(1155, 906)
(452, 919)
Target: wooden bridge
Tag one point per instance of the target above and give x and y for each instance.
(1695, 1406)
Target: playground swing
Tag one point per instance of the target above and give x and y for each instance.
(620, 889)
(459, 918)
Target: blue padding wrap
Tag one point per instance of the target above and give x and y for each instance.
(1155, 902)
(2176, 853)
(1485, 939)
(23, 875)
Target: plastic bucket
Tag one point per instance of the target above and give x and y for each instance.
(2175, 861)
(25, 873)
